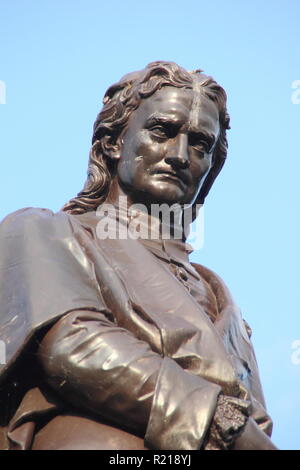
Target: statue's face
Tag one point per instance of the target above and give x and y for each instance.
(167, 147)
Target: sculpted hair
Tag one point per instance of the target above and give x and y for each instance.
(120, 100)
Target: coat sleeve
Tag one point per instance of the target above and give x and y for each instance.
(101, 368)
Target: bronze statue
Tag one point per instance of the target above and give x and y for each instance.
(119, 342)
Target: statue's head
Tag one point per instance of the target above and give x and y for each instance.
(161, 133)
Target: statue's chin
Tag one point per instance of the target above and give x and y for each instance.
(160, 193)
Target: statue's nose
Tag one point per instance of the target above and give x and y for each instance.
(178, 155)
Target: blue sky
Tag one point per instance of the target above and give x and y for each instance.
(57, 59)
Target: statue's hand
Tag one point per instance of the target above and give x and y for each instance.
(228, 423)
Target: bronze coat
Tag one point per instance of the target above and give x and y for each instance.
(53, 266)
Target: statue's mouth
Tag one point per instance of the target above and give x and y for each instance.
(174, 176)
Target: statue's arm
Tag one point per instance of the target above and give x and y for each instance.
(103, 369)
(99, 367)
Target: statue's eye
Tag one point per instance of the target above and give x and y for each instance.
(158, 131)
(163, 131)
(199, 145)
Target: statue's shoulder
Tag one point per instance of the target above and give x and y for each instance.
(31, 220)
(28, 215)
